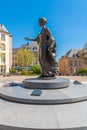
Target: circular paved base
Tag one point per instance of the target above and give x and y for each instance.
(17, 116)
(14, 116)
(4, 127)
(71, 94)
(46, 84)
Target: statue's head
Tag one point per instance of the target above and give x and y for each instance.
(42, 21)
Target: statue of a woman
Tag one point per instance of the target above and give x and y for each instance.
(47, 50)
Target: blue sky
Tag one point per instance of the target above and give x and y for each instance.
(67, 21)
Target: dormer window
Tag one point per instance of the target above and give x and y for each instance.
(74, 55)
(3, 37)
(34, 48)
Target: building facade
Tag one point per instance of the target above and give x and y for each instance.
(14, 57)
(83, 54)
(30, 46)
(70, 63)
(33, 46)
(5, 50)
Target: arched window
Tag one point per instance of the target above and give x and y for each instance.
(3, 37)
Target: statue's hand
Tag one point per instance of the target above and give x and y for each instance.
(29, 39)
(26, 38)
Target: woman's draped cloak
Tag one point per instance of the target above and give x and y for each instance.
(47, 50)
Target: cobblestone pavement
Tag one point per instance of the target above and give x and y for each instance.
(21, 78)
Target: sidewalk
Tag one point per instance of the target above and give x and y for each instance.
(79, 78)
(21, 78)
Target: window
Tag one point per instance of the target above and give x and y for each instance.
(80, 63)
(70, 63)
(2, 47)
(3, 37)
(76, 63)
(15, 64)
(34, 48)
(30, 48)
(15, 58)
(71, 70)
(3, 69)
(3, 58)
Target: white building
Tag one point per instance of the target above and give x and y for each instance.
(5, 50)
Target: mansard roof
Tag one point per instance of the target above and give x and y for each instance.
(72, 53)
(3, 29)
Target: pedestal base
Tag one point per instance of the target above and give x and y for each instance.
(56, 83)
(73, 93)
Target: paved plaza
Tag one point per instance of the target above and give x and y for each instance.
(61, 116)
(21, 78)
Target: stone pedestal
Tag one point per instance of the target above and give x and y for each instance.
(56, 83)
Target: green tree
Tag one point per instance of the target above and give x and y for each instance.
(36, 69)
(82, 71)
(25, 57)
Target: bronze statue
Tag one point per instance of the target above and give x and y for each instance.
(47, 50)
